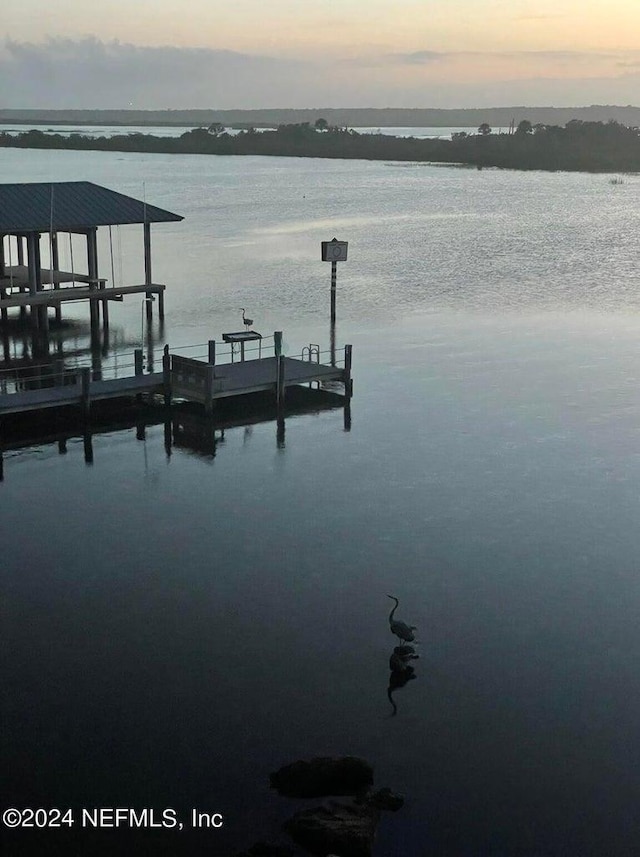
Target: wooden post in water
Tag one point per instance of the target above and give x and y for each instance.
(55, 265)
(277, 345)
(208, 395)
(168, 438)
(105, 309)
(166, 375)
(148, 276)
(347, 415)
(92, 264)
(212, 352)
(35, 277)
(348, 383)
(137, 361)
(88, 447)
(281, 385)
(20, 243)
(5, 313)
(85, 380)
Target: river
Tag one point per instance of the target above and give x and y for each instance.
(176, 627)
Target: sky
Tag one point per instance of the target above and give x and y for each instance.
(224, 54)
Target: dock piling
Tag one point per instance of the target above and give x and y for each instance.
(280, 385)
(208, 396)
(85, 380)
(348, 383)
(166, 375)
(88, 447)
(277, 345)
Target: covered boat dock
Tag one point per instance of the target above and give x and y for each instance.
(30, 211)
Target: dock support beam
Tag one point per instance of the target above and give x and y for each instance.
(33, 265)
(5, 314)
(348, 383)
(88, 447)
(55, 264)
(208, 393)
(92, 262)
(277, 344)
(85, 379)
(148, 277)
(105, 311)
(166, 375)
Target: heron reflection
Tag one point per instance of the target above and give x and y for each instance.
(401, 669)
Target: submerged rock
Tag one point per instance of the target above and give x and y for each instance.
(323, 776)
(384, 799)
(337, 828)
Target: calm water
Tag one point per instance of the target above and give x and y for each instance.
(177, 627)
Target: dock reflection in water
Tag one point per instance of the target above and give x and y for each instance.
(186, 427)
(33, 362)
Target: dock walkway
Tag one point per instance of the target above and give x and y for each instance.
(181, 377)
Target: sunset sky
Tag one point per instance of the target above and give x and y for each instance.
(295, 53)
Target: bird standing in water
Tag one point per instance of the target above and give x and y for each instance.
(246, 321)
(400, 629)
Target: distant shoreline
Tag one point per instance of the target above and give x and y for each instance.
(579, 146)
(355, 117)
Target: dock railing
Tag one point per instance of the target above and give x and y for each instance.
(206, 373)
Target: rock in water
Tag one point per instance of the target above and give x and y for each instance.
(322, 777)
(384, 799)
(345, 830)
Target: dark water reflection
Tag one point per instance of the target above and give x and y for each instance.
(178, 626)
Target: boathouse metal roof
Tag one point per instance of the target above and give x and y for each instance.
(71, 206)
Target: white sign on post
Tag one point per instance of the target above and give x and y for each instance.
(334, 251)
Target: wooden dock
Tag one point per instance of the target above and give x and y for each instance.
(97, 292)
(182, 378)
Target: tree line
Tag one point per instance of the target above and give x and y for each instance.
(579, 145)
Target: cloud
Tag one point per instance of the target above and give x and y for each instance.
(89, 73)
(426, 57)
(417, 57)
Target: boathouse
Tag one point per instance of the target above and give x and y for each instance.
(41, 212)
